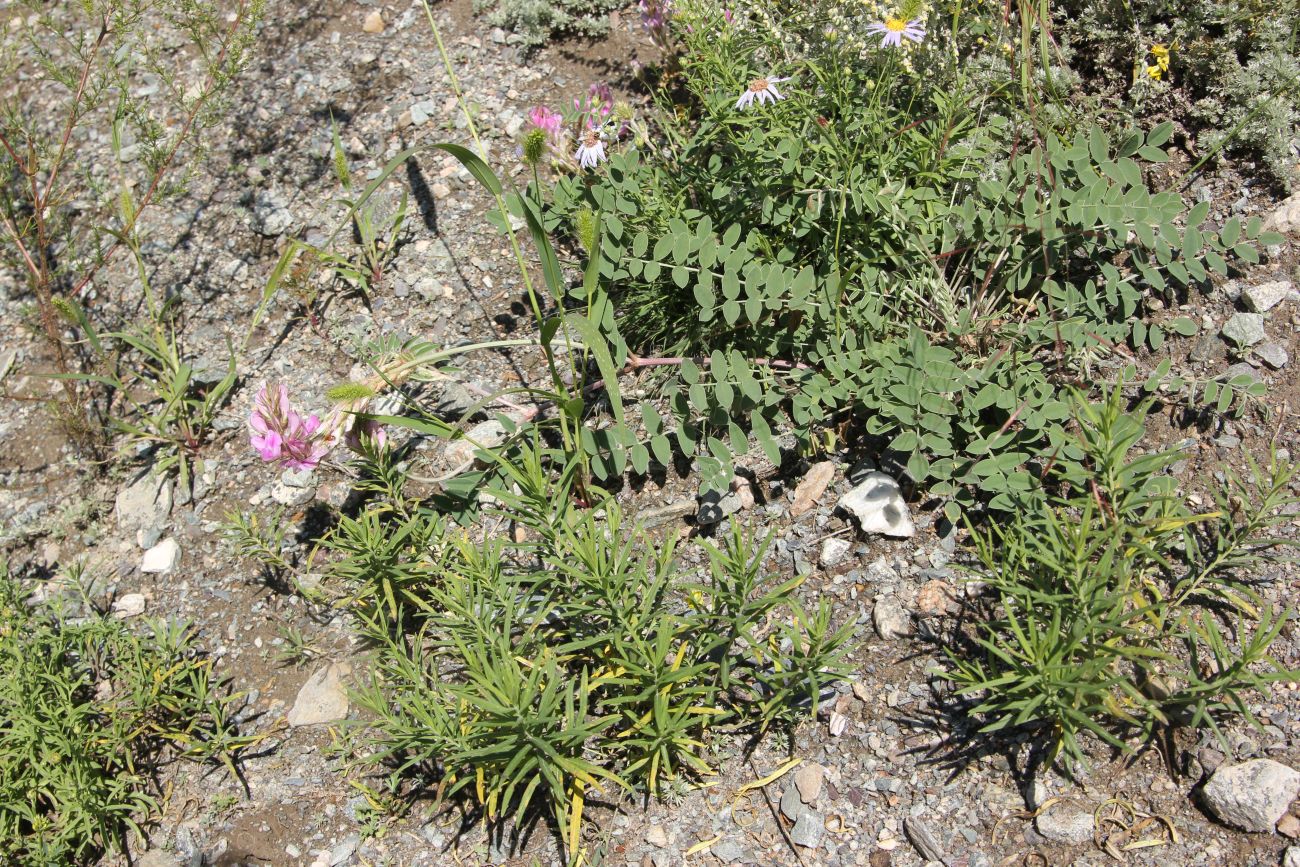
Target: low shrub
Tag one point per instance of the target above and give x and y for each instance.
(1110, 608)
(91, 712)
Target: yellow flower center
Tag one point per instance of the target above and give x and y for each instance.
(591, 138)
(758, 85)
(897, 25)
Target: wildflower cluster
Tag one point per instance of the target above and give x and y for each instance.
(282, 434)
(655, 18)
(596, 120)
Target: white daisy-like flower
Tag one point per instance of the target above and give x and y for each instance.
(760, 89)
(892, 30)
(591, 150)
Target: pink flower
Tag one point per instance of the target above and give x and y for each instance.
(279, 433)
(363, 430)
(596, 107)
(545, 119)
(894, 29)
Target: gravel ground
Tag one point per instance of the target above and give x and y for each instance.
(889, 776)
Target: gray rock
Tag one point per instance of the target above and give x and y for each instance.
(727, 851)
(1273, 354)
(157, 858)
(1253, 795)
(919, 833)
(1266, 296)
(891, 619)
(1208, 348)
(343, 850)
(1244, 329)
(1241, 368)
(715, 505)
(143, 506)
(1065, 823)
(834, 550)
(877, 502)
(657, 517)
(808, 831)
(293, 495)
(792, 805)
(323, 698)
(1291, 858)
(161, 558)
(271, 214)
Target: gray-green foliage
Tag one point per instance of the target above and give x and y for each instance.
(1233, 67)
(91, 710)
(536, 21)
(938, 280)
(524, 674)
(1111, 608)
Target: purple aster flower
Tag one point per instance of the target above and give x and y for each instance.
(892, 30)
(591, 150)
(761, 89)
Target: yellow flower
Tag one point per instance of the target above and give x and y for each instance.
(1160, 68)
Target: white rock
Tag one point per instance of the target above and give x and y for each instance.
(1266, 296)
(161, 558)
(323, 698)
(130, 605)
(834, 550)
(1286, 217)
(1253, 795)
(1292, 857)
(877, 502)
(488, 435)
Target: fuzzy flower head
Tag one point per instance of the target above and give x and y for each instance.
(591, 148)
(761, 90)
(279, 433)
(894, 29)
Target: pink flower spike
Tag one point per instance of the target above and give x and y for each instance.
(281, 434)
(545, 119)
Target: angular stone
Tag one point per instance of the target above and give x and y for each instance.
(935, 598)
(891, 619)
(878, 504)
(808, 780)
(1291, 858)
(161, 558)
(1266, 296)
(715, 505)
(323, 698)
(130, 605)
(1273, 354)
(811, 487)
(144, 504)
(1065, 823)
(1253, 795)
(808, 831)
(918, 831)
(374, 22)
(1285, 217)
(664, 514)
(657, 836)
(834, 550)
(1244, 329)
(791, 804)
